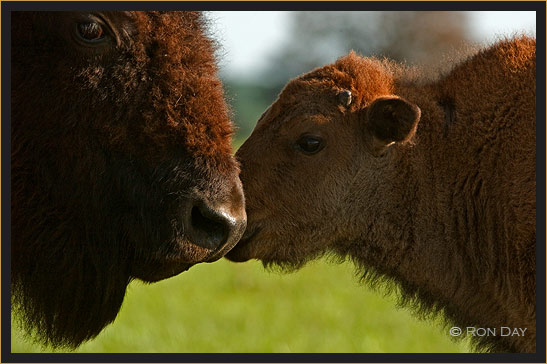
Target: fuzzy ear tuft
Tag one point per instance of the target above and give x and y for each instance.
(391, 120)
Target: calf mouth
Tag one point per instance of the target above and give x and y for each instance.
(241, 252)
(228, 246)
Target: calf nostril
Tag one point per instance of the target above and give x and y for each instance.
(208, 228)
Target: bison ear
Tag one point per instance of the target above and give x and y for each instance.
(390, 120)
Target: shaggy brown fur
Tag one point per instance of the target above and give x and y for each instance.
(121, 162)
(440, 199)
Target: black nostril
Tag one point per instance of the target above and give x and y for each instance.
(208, 228)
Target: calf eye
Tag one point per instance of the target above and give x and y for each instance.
(310, 144)
(91, 32)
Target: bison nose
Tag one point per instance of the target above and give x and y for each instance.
(217, 226)
(208, 227)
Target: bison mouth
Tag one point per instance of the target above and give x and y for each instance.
(180, 253)
(177, 257)
(163, 270)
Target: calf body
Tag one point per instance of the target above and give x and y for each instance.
(428, 185)
(121, 160)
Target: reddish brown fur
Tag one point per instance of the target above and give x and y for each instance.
(115, 146)
(447, 213)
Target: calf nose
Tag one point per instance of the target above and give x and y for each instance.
(217, 226)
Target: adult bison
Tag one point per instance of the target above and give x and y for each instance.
(121, 163)
(429, 185)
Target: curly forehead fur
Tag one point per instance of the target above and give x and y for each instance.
(178, 39)
(353, 73)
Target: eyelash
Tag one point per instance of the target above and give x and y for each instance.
(88, 28)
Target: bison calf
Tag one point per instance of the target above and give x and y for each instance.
(430, 185)
(121, 160)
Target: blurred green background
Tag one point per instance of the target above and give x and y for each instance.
(228, 307)
(225, 307)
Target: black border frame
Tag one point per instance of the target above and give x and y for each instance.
(8, 7)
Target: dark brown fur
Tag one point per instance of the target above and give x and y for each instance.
(445, 208)
(115, 146)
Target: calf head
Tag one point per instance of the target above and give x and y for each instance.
(313, 162)
(121, 162)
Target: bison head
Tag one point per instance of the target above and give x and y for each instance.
(311, 167)
(121, 162)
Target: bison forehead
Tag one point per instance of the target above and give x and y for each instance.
(186, 103)
(174, 35)
(154, 90)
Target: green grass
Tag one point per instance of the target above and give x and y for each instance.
(228, 307)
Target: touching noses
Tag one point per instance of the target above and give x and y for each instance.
(218, 224)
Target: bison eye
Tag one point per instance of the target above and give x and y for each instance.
(309, 144)
(91, 32)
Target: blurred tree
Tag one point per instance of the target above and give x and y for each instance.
(317, 38)
(248, 101)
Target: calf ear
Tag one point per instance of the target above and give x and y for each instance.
(390, 120)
